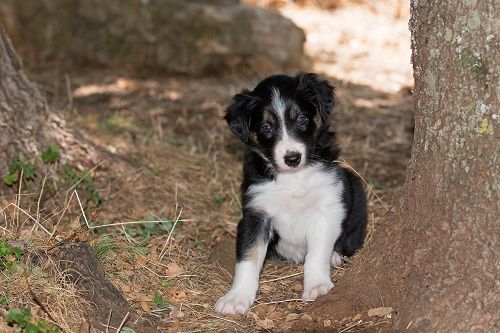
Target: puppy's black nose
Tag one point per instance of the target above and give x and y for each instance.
(292, 158)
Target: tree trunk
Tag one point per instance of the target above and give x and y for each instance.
(435, 260)
(27, 123)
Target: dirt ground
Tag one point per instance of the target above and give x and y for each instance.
(184, 170)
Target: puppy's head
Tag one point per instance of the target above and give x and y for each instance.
(281, 119)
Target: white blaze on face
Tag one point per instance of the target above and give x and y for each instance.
(286, 144)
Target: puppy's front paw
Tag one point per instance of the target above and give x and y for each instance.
(234, 302)
(313, 292)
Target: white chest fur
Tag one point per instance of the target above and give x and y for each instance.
(298, 204)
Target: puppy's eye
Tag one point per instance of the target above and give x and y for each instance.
(266, 129)
(302, 120)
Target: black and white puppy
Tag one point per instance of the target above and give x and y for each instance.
(298, 203)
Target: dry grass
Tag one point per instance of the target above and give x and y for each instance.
(176, 180)
(38, 284)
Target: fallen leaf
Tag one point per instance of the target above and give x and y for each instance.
(173, 270)
(145, 306)
(177, 295)
(297, 287)
(265, 324)
(380, 312)
(291, 317)
(356, 317)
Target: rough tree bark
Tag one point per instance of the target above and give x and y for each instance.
(27, 123)
(106, 302)
(435, 260)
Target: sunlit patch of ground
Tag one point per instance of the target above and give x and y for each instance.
(365, 44)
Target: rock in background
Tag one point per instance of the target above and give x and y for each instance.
(188, 37)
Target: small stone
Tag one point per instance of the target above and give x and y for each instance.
(291, 317)
(380, 312)
(327, 323)
(297, 287)
(305, 316)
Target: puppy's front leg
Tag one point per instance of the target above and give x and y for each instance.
(251, 247)
(320, 241)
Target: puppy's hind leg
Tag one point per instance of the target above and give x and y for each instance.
(336, 260)
(251, 246)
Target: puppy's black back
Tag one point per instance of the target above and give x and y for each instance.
(354, 224)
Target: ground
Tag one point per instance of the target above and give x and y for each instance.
(182, 167)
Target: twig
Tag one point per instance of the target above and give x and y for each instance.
(170, 233)
(109, 320)
(40, 199)
(133, 222)
(69, 94)
(62, 215)
(18, 199)
(160, 276)
(31, 217)
(123, 322)
(282, 301)
(162, 252)
(282, 277)
(228, 320)
(236, 197)
(129, 239)
(349, 327)
(369, 186)
(82, 178)
(118, 223)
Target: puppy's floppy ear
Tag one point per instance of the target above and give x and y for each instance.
(238, 114)
(318, 92)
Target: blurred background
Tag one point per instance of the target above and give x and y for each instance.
(148, 81)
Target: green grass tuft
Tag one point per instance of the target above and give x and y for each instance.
(9, 255)
(159, 302)
(52, 154)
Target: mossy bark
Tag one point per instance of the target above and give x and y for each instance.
(435, 259)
